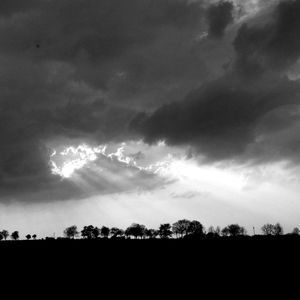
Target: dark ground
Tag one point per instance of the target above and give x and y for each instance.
(241, 268)
(218, 266)
(138, 253)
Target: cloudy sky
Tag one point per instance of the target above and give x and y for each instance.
(113, 112)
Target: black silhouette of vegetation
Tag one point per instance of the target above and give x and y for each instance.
(136, 231)
(165, 231)
(90, 232)
(233, 230)
(15, 235)
(4, 234)
(71, 232)
(184, 242)
(116, 232)
(104, 231)
(181, 229)
(270, 229)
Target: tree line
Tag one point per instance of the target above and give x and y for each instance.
(180, 229)
(4, 235)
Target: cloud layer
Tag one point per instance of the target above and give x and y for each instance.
(245, 114)
(187, 72)
(77, 71)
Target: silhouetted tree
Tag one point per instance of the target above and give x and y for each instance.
(127, 232)
(116, 232)
(225, 231)
(34, 236)
(4, 233)
(268, 229)
(181, 228)
(136, 230)
(71, 232)
(90, 232)
(15, 235)
(213, 232)
(28, 236)
(296, 231)
(278, 230)
(104, 231)
(195, 228)
(96, 232)
(151, 233)
(165, 231)
(1, 237)
(233, 230)
(155, 233)
(86, 232)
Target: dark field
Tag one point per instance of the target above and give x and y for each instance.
(144, 251)
(220, 266)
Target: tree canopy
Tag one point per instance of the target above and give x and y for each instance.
(71, 232)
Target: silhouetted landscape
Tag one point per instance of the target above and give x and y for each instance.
(182, 229)
(180, 247)
(149, 111)
(183, 232)
(133, 254)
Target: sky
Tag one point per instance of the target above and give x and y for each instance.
(149, 111)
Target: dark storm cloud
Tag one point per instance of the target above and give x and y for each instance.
(78, 69)
(219, 16)
(110, 32)
(142, 52)
(274, 45)
(220, 119)
(7, 7)
(227, 118)
(74, 71)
